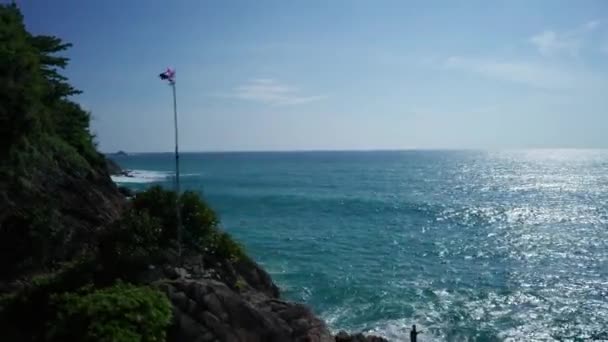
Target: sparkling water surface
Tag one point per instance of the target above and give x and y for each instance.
(468, 245)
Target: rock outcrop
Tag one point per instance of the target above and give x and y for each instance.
(62, 207)
(236, 302)
(206, 309)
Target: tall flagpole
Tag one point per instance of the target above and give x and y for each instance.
(169, 75)
(177, 190)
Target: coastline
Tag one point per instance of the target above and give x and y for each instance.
(194, 286)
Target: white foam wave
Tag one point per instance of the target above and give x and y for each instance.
(143, 176)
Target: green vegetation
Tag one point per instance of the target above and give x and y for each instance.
(128, 246)
(42, 133)
(67, 301)
(121, 313)
(76, 304)
(24, 314)
(34, 96)
(199, 222)
(64, 307)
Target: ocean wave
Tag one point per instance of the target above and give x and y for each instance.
(143, 176)
(148, 176)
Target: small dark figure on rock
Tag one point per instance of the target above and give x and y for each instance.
(414, 334)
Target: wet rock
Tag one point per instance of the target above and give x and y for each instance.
(213, 307)
(343, 336)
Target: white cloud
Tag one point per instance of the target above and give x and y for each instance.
(570, 42)
(272, 92)
(550, 42)
(544, 74)
(531, 74)
(592, 25)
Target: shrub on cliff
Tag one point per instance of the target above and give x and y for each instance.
(24, 314)
(121, 313)
(198, 219)
(66, 306)
(222, 245)
(129, 245)
(200, 223)
(160, 204)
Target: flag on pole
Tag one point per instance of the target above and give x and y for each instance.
(168, 75)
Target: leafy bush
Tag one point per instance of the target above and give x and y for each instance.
(121, 313)
(222, 245)
(24, 314)
(66, 306)
(160, 204)
(130, 244)
(199, 221)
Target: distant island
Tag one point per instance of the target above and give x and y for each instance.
(120, 153)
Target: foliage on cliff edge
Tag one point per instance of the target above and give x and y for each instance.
(53, 182)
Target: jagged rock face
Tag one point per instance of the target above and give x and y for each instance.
(237, 301)
(91, 201)
(54, 218)
(256, 277)
(208, 310)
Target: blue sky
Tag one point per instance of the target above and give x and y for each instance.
(307, 75)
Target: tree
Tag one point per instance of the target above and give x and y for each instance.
(41, 128)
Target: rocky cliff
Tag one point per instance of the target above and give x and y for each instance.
(80, 262)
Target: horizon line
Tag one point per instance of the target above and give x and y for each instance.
(360, 150)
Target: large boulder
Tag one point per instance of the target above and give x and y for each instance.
(208, 310)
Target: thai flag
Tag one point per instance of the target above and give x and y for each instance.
(168, 75)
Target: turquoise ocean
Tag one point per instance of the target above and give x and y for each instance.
(468, 245)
